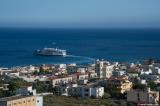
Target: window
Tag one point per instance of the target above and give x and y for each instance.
(86, 90)
(86, 95)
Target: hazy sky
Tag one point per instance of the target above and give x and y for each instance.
(80, 13)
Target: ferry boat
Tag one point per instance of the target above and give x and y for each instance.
(51, 52)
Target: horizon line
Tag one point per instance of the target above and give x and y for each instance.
(99, 28)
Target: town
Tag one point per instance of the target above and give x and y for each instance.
(107, 83)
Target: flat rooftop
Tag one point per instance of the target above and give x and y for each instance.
(13, 98)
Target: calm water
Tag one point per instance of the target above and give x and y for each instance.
(17, 45)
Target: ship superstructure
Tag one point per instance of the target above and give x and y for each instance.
(51, 52)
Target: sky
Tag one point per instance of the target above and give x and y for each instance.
(80, 13)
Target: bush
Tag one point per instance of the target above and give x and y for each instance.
(106, 96)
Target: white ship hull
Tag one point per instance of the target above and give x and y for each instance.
(51, 52)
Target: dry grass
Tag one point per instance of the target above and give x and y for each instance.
(52, 100)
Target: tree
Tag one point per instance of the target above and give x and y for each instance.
(39, 86)
(152, 85)
(139, 86)
(17, 83)
(4, 93)
(106, 95)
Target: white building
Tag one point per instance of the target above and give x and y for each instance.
(147, 97)
(156, 70)
(32, 68)
(119, 73)
(26, 90)
(62, 66)
(82, 76)
(59, 80)
(86, 91)
(92, 74)
(31, 78)
(142, 81)
(14, 73)
(81, 70)
(4, 71)
(154, 78)
(104, 69)
(62, 89)
(149, 71)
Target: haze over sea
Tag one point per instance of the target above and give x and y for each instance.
(83, 45)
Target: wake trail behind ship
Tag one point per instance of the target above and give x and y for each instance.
(84, 57)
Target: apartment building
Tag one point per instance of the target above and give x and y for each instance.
(26, 90)
(22, 101)
(104, 69)
(119, 84)
(86, 91)
(143, 96)
(82, 76)
(58, 80)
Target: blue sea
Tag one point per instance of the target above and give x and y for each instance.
(83, 45)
